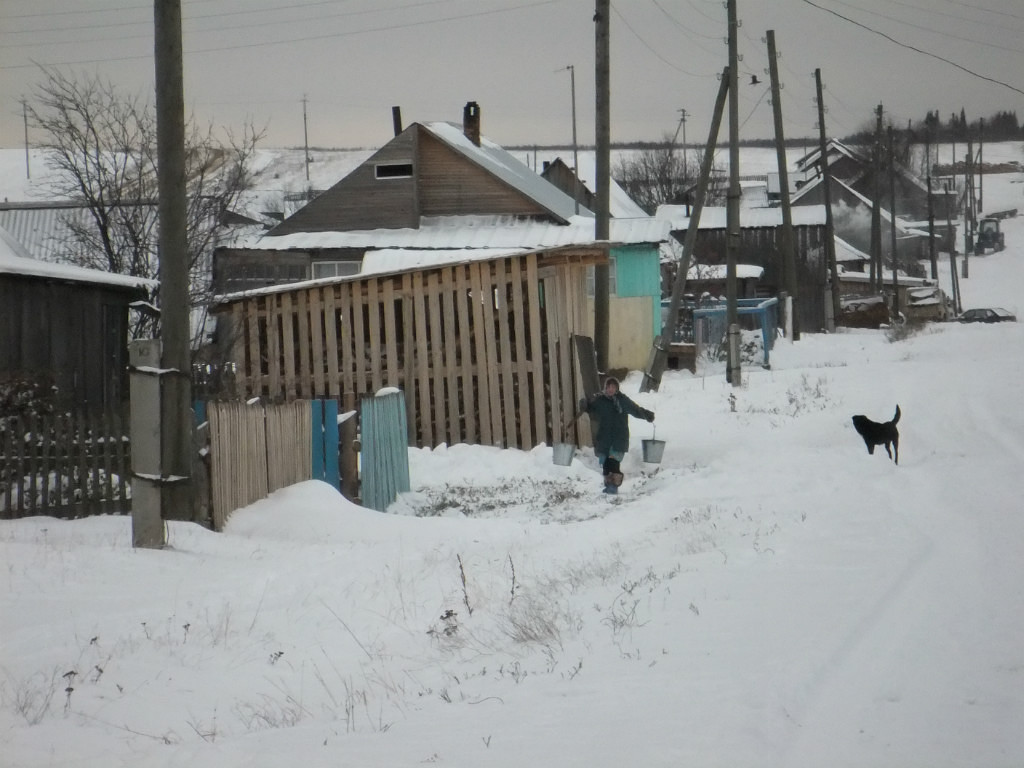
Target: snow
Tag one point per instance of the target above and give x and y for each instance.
(768, 595)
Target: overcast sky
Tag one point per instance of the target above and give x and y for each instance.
(354, 59)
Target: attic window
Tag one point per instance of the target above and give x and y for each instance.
(394, 171)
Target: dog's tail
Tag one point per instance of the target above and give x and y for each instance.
(897, 416)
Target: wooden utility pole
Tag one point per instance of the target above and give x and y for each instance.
(24, 117)
(968, 205)
(652, 376)
(981, 165)
(175, 358)
(786, 235)
(955, 281)
(876, 207)
(826, 181)
(733, 235)
(892, 226)
(575, 145)
(305, 137)
(933, 259)
(602, 183)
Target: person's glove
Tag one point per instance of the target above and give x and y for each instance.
(649, 416)
(581, 406)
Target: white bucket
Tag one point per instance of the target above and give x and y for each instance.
(562, 454)
(653, 450)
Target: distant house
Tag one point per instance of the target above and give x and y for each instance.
(759, 248)
(851, 220)
(443, 187)
(65, 325)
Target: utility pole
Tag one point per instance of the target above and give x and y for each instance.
(305, 134)
(931, 205)
(175, 360)
(575, 145)
(733, 238)
(787, 239)
(892, 225)
(652, 376)
(602, 183)
(830, 232)
(981, 165)
(876, 207)
(24, 117)
(955, 281)
(968, 206)
(683, 114)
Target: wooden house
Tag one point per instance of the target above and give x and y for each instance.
(759, 247)
(441, 186)
(66, 326)
(854, 167)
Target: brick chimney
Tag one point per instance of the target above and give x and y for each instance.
(471, 122)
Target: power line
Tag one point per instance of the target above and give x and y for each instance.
(914, 48)
(310, 38)
(651, 49)
(928, 29)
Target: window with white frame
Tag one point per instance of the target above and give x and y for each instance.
(335, 268)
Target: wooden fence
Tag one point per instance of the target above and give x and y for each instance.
(256, 449)
(482, 350)
(64, 465)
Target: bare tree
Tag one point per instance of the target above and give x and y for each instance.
(102, 143)
(659, 175)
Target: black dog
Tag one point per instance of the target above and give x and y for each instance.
(880, 433)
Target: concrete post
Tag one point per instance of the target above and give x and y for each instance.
(144, 383)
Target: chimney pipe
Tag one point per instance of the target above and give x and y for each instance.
(396, 119)
(471, 122)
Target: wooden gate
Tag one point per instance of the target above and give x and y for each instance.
(256, 449)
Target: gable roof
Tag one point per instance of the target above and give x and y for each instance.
(503, 165)
(714, 217)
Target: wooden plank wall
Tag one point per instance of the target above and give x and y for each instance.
(478, 358)
(254, 450)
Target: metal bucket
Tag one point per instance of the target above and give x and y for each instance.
(562, 454)
(653, 450)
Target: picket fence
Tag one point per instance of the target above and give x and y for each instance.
(64, 465)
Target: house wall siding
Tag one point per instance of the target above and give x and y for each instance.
(72, 333)
(451, 184)
(361, 200)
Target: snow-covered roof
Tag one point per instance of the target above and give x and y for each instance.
(847, 253)
(388, 261)
(506, 167)
(447, 232)
(715, 217)
(16, 260)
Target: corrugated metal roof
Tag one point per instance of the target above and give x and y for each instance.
(43, 230)
(453, 232)
(715, 217)
(16, 260)
(502, 164)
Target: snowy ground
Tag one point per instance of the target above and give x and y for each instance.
(768, 595)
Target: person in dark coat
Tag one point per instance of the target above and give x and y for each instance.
(611, 410)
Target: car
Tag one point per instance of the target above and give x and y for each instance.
(987, 315)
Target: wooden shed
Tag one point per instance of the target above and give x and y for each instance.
(759, 246)
(65, 325)
(480, 341)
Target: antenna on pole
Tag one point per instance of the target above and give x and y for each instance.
(24, 115)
